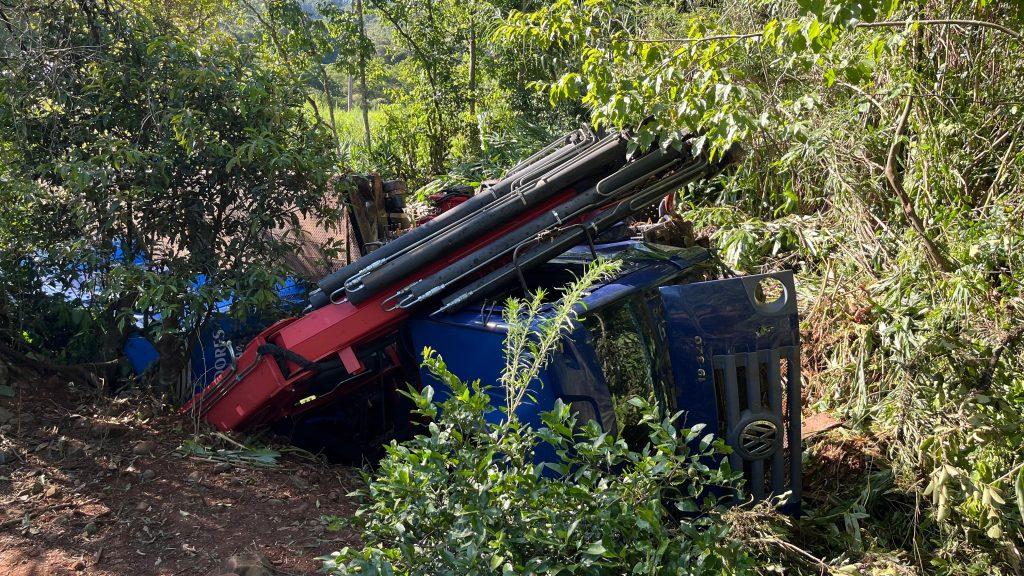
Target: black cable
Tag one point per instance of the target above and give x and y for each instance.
(284, 354)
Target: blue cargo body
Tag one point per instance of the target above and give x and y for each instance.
(213, 350)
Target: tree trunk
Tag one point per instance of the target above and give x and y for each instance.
(364, 101)
(895, 179)
(474, 127)
(351, 86)
(171, 366)
(114, 337)
(330, 108)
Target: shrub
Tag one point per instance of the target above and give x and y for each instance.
(467, 496)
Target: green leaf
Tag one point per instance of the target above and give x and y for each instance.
(1018, 489)
(637, 402)
(596, 549)
(706, 441)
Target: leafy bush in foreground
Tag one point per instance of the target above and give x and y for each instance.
(468, 498)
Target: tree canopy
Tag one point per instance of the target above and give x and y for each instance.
(152, 162)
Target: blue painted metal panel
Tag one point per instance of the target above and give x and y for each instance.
(140, 353)
(646, 267)
(727, 318)
(576, 376)
(472, 341)
(735, 347)
(211, 355)
(473, 353)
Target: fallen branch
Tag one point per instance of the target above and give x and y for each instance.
(1011, 340)
(794, 548)
(882, 24)
(895, 180)
(943, 22)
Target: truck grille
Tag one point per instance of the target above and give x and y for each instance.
(759, 401)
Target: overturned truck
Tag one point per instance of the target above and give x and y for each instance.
(725, 351)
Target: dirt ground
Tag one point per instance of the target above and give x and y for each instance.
(98, 486)
(94, 485)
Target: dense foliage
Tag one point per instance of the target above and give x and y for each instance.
(883, 163)
(146, 167)
(471, 495)
(448, 102)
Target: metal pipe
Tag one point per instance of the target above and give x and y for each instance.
(508, 190)
(547, 176)
(617, 185)
(609, 155)
(575, 137)
(544, 252)
(558, 152)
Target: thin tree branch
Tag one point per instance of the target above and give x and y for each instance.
(883, 24)
(82, 372)
(700, 39)
(895, 180)
(285, 56)
(364, 104)
(943, 22)
(1011, 340)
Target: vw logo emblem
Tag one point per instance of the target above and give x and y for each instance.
(758, 439)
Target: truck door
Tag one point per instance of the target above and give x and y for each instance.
(735, 353)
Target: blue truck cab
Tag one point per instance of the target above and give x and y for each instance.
(725, 352)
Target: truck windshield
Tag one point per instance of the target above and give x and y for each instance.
(625, 348)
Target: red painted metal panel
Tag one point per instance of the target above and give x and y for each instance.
(257, 392)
